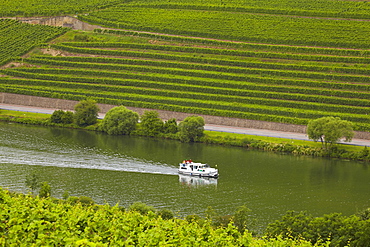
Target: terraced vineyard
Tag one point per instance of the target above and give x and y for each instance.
(249, 81)
(29, 8)
(17, 38)
(318, 8)
(313, 23)
(292, 62)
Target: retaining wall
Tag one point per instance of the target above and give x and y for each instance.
(61, 104)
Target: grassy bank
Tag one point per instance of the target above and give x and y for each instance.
(295, 147)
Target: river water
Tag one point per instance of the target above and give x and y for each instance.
(124, 170)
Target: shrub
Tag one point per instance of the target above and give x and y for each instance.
(339, 230)
(194, 218)
(166, 214)
(32, 182)
(45, 190)
(67, 118)
(86, 113)
(56, 117)
(241, 218)
(84, 200)
(141, 208)
(60, 116)
(120, 121)
(365, 214)
(151, 124)
(65, 195)
(170, 126)
(72, 200)
(191, 129)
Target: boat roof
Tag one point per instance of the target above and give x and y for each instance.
(195, 164)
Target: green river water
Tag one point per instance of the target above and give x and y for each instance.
(121, 169)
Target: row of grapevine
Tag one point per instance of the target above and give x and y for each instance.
(17, 38)
(239, 26)
(239, 45)
(188, 58)
(221, 65)
(182, 103)
(232, 87)
(114, 99)
(218, 78)
(29, 8)
(262, 9)
(171, 104)
(136, 86)
(232, 52)
(337, 9)
(240, 80)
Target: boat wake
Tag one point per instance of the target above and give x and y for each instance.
(87, 159)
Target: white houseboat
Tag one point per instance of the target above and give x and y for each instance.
(188, 167)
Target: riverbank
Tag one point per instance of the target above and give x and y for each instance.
(295, 147)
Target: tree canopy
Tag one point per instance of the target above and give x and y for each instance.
(151, 124)
(170, 126)
(120, 121)
(330, 130)
(86, 113)
(191, 129)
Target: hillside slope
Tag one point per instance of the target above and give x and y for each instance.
(292, 62)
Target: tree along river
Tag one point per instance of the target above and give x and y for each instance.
(124, 170)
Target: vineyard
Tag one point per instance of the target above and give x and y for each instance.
(18, 38)
(212, 79)
(281, 23)
(29, 8)
(276, 61)
(321, 8)
(292, 62)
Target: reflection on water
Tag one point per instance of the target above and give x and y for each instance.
(197, 181)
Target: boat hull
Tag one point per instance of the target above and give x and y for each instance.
(199, 174)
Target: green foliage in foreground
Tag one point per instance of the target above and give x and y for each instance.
(33, 221)
(342, 230)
